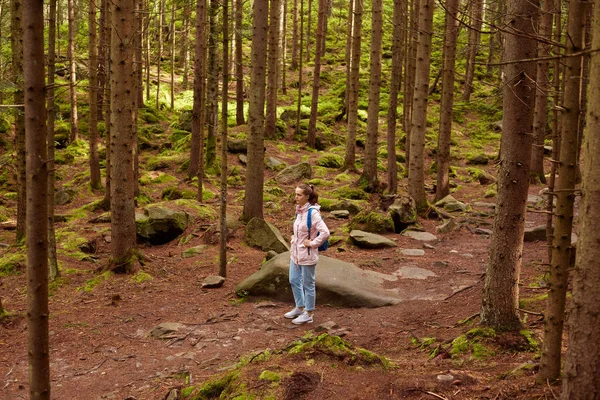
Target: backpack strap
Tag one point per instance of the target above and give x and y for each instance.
(309, 220)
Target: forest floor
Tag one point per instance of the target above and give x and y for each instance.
(100, 347)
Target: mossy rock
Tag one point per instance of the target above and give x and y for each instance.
(12, 264)
(347, 192)
(330, 160)
(372, 221)
(171, 193)
(146, 115)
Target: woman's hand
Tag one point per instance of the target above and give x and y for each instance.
(306, 243)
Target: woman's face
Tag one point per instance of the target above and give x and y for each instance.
(301, 198)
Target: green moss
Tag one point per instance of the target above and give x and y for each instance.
(347, 192)
(491, 192)
(372, 221)
(220, 388)
(156, 178)
(12, 264)
(459, 345)
(330, 160)
(141, 277)
(531, 340)
(171, 193)
(481, 352)
(201, 211)
(90, 284)
(528, 301)
(343, 178)
(481, 332)
(270, 376)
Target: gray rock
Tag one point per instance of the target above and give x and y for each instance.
(185, 120)
(534, 234)
(193, 251)
(411, 272)
(340, 214)
(338, 283)
(535, 199)
(270, 254)
(243, 159)
(445, 378)
(236, 146)
(440, 264)
(213, 281)
(485, 178)
(403, 211)
(468, 255)
(264, 235)
(498, 125)
(428, 246)
(482, 204)
(417, 235)
(64, 196)
(294, 173)
(102, 218)
(165, 328)
(412, 252)
(274, 164)
(352, 206)
(449, 203)
(448, 226)
(160, 225)
(326, 326)
(368, 240)
(232, 223)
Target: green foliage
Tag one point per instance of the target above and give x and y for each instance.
(202, 211)
(532, 342)
(329, 160)
(12, 264)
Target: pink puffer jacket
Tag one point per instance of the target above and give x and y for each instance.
(300, 254)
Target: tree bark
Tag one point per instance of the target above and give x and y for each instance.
(198, 109)
(416, 173)
(224, 104)
(409, 81)
(350, 154)
(294, 63)
(445, 133)
(72, 73)
(172, 53)
(562, 249)
(314, 107)
(17, 74)
(107, 95)
(95, 180)
(212, 86)
(253, 201)
(102, 62)
(348, 55)
(122, 77)
(161, 19)
(38, 348)
(273, 68)
(392, 166)
(239, 70)
(582, 369)
(283, 44)
(472, 46)
(184, 53)
(541, 96)
(308, 28)
(300, 70)
(501, 290)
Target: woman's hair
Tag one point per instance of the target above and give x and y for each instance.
(310, 191)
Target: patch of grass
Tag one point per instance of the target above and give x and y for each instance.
(534, 345)
(90, 284)
(330, 160)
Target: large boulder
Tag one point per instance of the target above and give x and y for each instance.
(159, 225)
(294, 173)
(338, 283)
(185, 120)
(368, 240)
(403, 212)
(64, 196)
(236, 146)
(264, 235)
(449, 203)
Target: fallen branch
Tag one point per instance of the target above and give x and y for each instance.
(92, 369)
(530, 312)
(464, 321)
(462, 290)
(426, 392)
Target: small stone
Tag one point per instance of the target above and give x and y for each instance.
(417, 235)
(440, 264)
(447, 227)
(213, 281)
(165, 328)
(341, 249)
(445, 378)
(340, 214)
(326, 326)
(453, 252)
(428, 246)
(243, 159)
(413, 252)
(468, 255)
(265, 304)
(339, 332)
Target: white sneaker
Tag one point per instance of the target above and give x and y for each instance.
(294, 313)
(303, 318)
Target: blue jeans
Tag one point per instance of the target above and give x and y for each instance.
(302, 279)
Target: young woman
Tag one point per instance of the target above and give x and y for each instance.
(304, 253)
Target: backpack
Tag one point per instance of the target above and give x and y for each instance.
(325, 244)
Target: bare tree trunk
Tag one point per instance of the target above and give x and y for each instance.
(102, 62)
(2, 13)
(449, 56)
(52, 257)
(541, 97)
(107, 95)
(350, 154)
(501, 290)
(300, 69)
(139, 62)
(196, 167)
(253, 201)
(212, 86)
(581, 378)
(239, 70)
(294, 63)
(416, 173)
(312, 123)
(273, 67)
(72, 73)
(562, 248)
(473, 46)
(223, 209)
(161, 19)
(172, 45)
(308, 27)
(348, 56)
(38, 348)
(122, 80)
(492, 16)
(95, 180)
(184, 53)
(392, 167)
(409, 81)
(147, 49)
(283, 43)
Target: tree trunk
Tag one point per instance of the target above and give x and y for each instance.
(172, 53)
(473, 46)
(308, 27)
(409, 81)
(212, 86)
(416, 173)
(239, 70)
(107, 110)
(223, 209)
(273, 67)
(72, 73)
(184, 53)
(122, 77)
(294, 63)
(312, 123)
(161, 19)
(300, 70)
(541, 96)
(562, 249)
(582, 374)
(348, 55)
(283, 44)
(501, 290)
(52, 257)
(350, 155)
(492, 16)
(445, 133)
(102, 63)
(147, 50)
(95, 180)
(392, 166)
(196, 167)
(139, 62)
(38, 348)
(253, 201)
